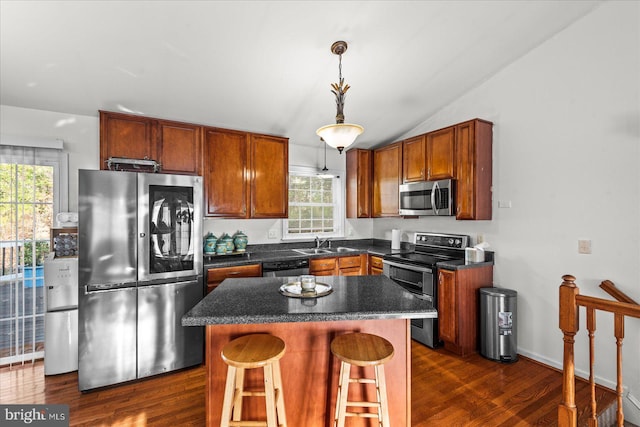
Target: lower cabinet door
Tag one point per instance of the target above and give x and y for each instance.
(447, 306)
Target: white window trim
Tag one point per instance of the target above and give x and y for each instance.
(338, 206)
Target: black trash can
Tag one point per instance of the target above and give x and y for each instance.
(498, 324)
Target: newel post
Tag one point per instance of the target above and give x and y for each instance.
(567, 412)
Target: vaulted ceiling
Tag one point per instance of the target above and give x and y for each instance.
(266, 66)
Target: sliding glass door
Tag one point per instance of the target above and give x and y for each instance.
(27, 205)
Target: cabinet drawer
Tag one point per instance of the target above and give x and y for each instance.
(349, 261)
(322, 264)
(375, 262)
(352, 271)
(217, 275)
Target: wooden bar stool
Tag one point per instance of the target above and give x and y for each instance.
(362, 349)
(249, 352)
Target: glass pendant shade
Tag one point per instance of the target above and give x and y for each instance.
(340, 135)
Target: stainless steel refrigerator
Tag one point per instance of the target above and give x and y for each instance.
(139, 271)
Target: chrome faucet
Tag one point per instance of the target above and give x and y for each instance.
(319, 242)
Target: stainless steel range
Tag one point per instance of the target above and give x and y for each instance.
(417, 272)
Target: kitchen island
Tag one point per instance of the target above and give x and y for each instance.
(372, 304)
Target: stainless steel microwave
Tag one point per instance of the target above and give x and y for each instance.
(427, 198)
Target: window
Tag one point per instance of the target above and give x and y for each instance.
(315, 205)
(29, 198)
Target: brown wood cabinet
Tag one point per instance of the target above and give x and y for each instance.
(414, 155)
(215, 276)
(474, 170)
(176, 146)
(323, 266)
(127, 135)
(179, 147)
(226, 162)
(387, 176)
(358, 184)
(350, 265)
(354, 265)
(462, 152)
(246, 175)
(269, 175)
(458, 303)
(440, 154)
(375, 265)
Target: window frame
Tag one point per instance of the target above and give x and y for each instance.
(338, 206)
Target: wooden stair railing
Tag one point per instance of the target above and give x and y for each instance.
(570, 301)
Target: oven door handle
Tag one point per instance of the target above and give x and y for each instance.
(408, 267)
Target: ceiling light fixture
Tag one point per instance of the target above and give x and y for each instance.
(340, 135)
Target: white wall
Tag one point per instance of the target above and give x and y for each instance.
(81, 136)
(567, 156)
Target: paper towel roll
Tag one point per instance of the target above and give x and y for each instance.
(395, 239)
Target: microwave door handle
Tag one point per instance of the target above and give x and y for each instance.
(435, 196)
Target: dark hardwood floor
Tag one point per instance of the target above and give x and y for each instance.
(446, 391)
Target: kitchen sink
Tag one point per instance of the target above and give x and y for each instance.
(315, 251)
(343, 249)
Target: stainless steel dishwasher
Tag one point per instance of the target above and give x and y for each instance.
(285, 268)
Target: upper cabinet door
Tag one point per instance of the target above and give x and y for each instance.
(226, 160)
(441, 154)
(474, 170)
(358, 183)
(179, 147)
(269, 176)
(414, 152)
(126, 135)
(387, 175)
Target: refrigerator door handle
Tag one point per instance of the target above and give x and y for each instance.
(164, 282)
(110, 287)
(148, 285)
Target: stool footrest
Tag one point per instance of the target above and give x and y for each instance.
(362, 380)
(361, 414)
(364, 404)
(253, 393)
(248, 423)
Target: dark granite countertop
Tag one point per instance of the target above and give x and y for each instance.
(258, 300)
(269, 252)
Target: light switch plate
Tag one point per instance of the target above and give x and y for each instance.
(584, 246)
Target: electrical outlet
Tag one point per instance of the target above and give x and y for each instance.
(273, 234)
(584, 246)
(480, 238)
(350, 231)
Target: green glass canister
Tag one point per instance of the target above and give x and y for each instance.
(240, 240)
(210, 244)
(228, 240)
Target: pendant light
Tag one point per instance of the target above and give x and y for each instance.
(340, 135)
(324, 172)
